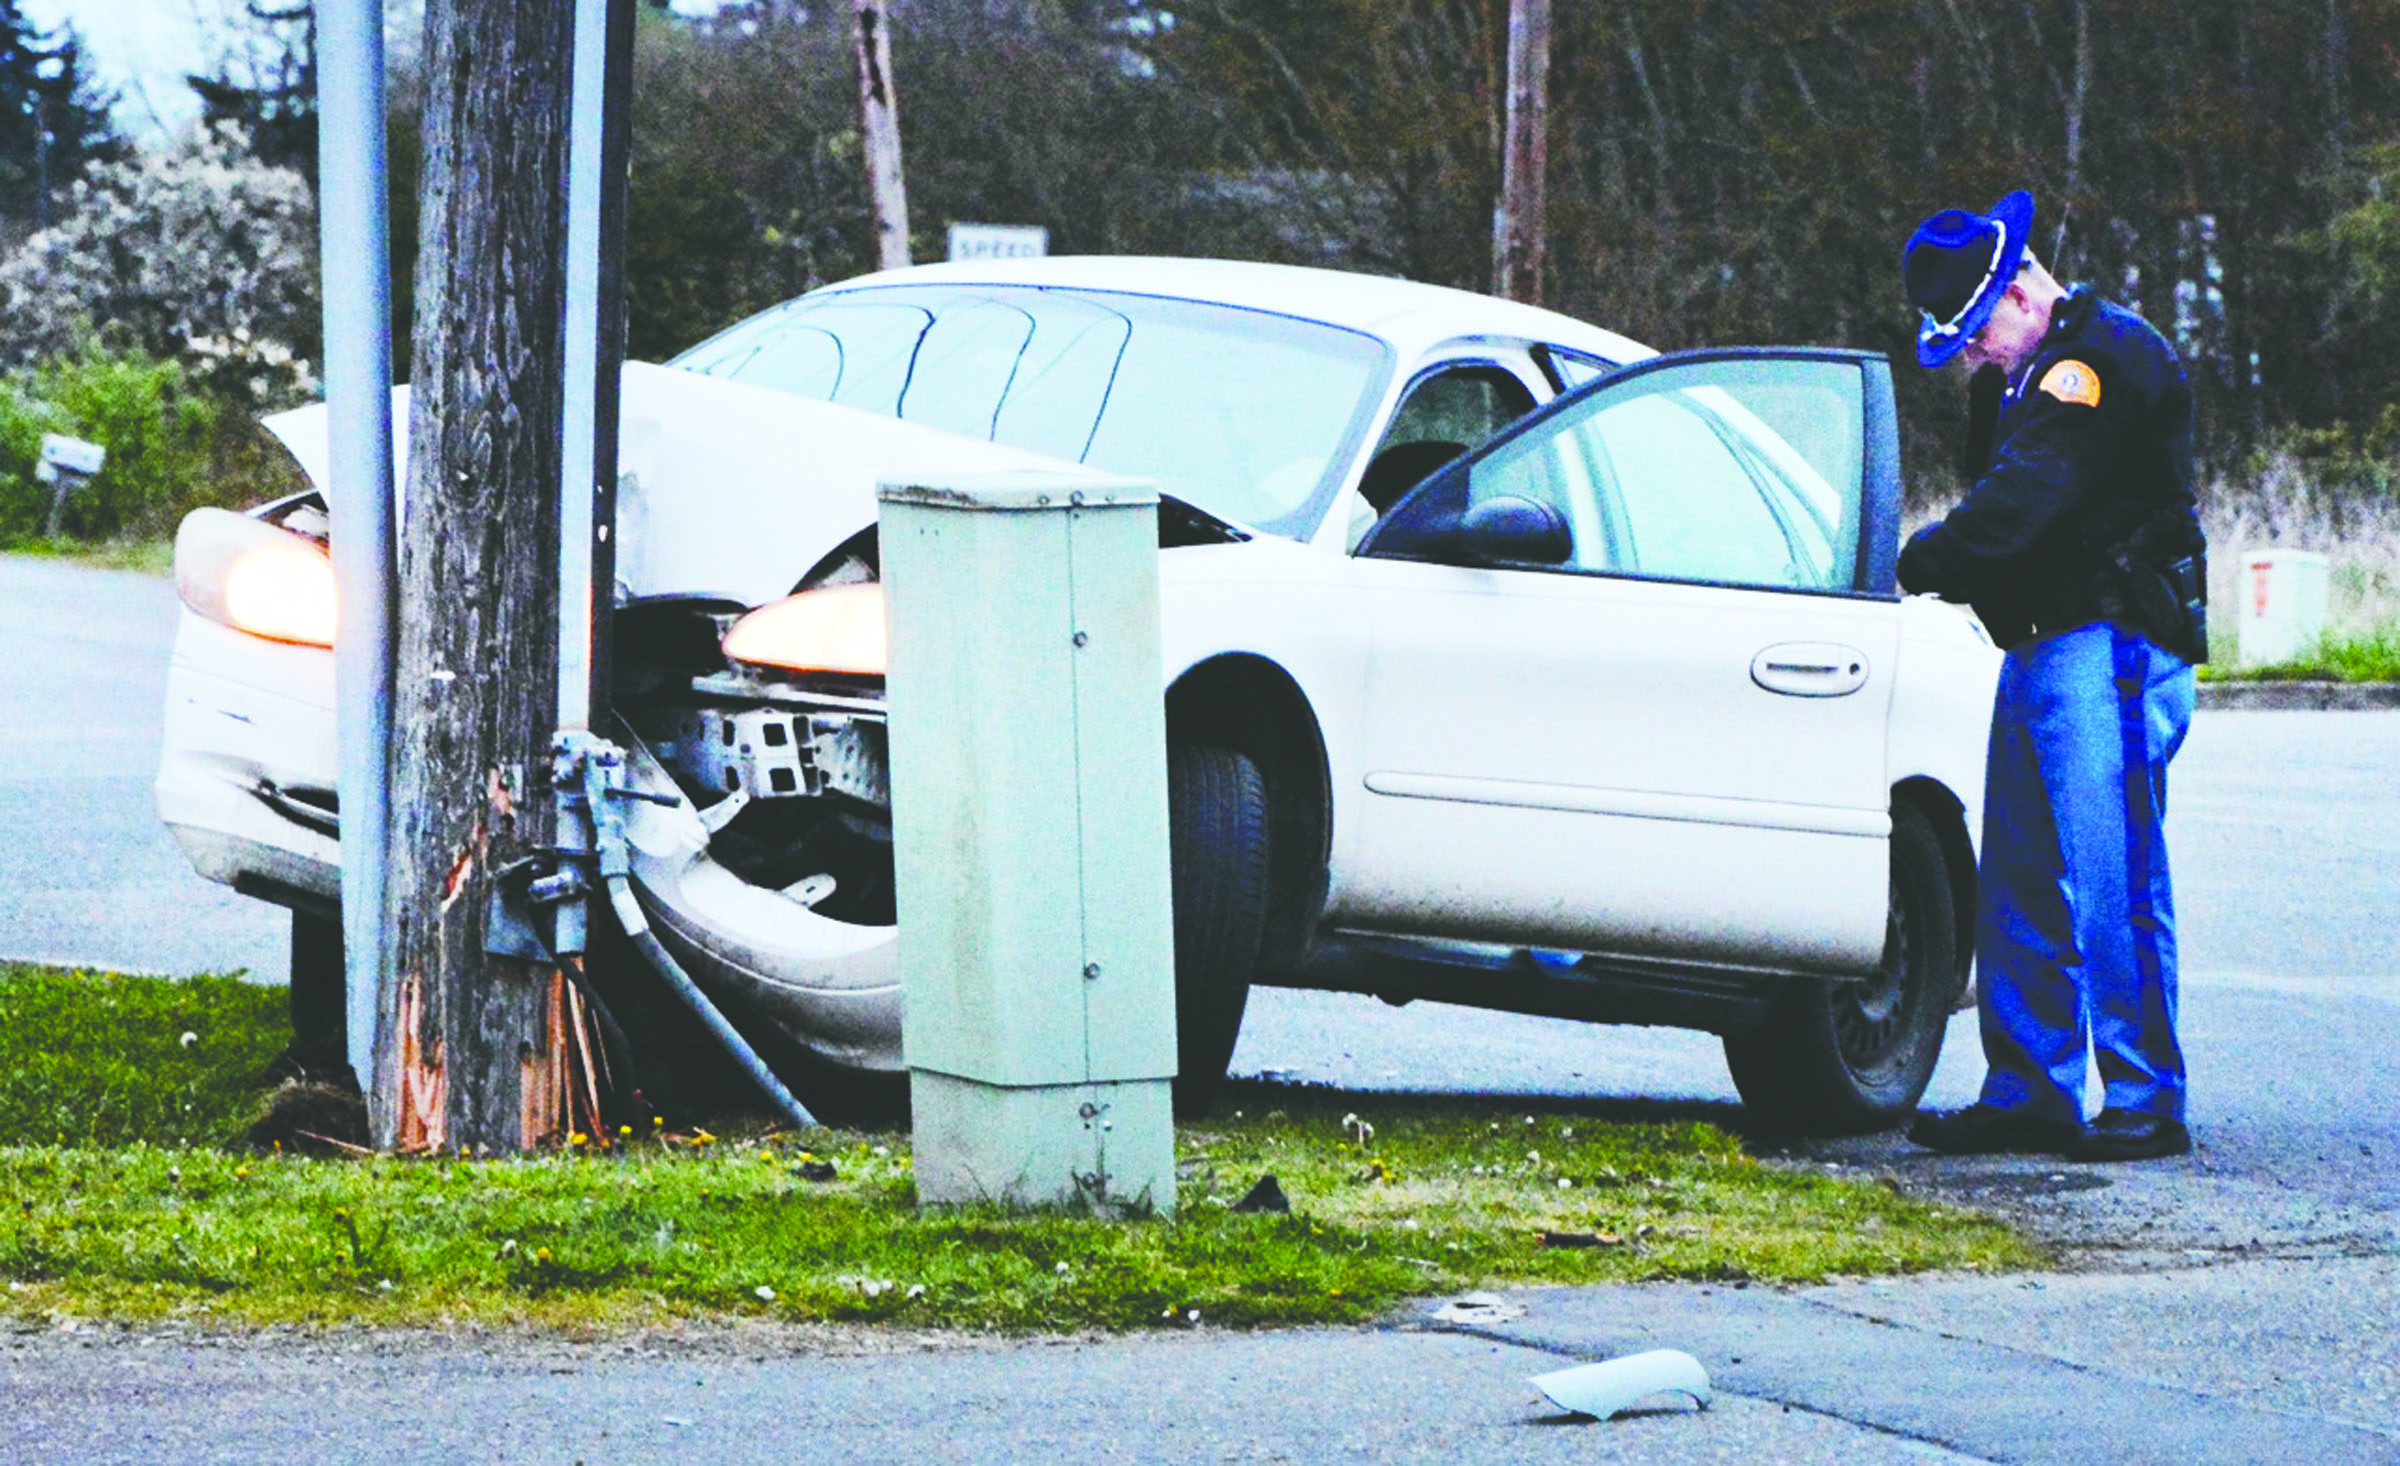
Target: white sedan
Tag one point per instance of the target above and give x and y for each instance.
(1507, 663)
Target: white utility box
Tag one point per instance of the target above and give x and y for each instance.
(1029, 836)
(2281, 605)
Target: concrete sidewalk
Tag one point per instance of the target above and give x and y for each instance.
(2285, 1360)
(1384, 1395)
(2288, 1359)
(2300, 696)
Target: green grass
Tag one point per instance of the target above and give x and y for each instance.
(100, 1059)
(151, 1216)
(148, 557)
(2287, 502)
(2366, 656)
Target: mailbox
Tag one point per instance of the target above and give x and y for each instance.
(62, 454)
(66, 462)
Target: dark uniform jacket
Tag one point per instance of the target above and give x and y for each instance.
(2083, 499)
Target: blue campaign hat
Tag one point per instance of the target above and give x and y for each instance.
(1955, 268)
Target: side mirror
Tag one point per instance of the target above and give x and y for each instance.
(1507, 529)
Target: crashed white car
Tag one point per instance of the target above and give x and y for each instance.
(1507, 663)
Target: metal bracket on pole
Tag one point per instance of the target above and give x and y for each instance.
(595, 770)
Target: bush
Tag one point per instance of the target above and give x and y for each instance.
(195, 252)
(172, 447)
(2335, 491)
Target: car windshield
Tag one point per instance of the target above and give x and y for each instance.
(1248, 415)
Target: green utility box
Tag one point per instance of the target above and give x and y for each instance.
(1029, 813)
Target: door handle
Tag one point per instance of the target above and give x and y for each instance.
(1810, 669)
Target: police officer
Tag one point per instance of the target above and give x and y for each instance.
(2079, 546)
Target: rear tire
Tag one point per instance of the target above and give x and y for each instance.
(1218, 843)
(1840, 1057)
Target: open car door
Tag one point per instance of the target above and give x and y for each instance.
(1631, 671)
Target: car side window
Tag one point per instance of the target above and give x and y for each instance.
(1743, 471)
(1692, 507)
(1442, 417)
(1738, 472)
(1463, 405)
(1571, 369)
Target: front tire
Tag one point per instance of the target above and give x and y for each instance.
(1841, 1057)
(1217, 839)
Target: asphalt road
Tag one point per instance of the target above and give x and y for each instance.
(87, 873)
(2284, 831)
(2284, 828)
(2232, 1306)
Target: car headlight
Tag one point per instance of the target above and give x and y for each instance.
(248, 574)
(838, 629)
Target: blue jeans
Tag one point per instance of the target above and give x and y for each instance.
(2075, 939)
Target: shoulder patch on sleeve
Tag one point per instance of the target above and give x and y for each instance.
(2072, 381)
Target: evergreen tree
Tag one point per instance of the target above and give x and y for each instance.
(269, 87)
(53, 121)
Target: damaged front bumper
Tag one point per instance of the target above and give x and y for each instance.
(764, 938)
(245, 777)
(769, 875)
(770, 872)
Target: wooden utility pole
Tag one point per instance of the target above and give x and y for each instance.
(1517, 233)
(475, 1047)
(879, 109)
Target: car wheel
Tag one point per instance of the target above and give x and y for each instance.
(1837, 1057)
(1217, 838)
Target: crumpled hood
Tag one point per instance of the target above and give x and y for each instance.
(731, 491)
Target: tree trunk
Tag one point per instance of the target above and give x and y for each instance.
(2076, 100)
(879, 108)
(1661, 138)
(478, 1039)
(1525, 152)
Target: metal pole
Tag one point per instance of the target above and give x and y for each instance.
(577, 476)
(594, 353)
(355, 235)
